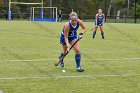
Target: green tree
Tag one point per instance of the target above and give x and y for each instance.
(138, 10)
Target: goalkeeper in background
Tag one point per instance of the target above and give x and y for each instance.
(69, 36)
(99, 20)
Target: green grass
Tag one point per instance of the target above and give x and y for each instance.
(28, 51)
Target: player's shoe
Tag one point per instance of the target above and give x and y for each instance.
(62, 64)
(80, 69)
(93, 36)
(103, 37)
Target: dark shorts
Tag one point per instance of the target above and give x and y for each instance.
(62, 39)
(99, 24)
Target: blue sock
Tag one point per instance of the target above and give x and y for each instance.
(61, 55)
(78, 59)
(94, 33)
(102, 33)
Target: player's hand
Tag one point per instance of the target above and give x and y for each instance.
(80, 36)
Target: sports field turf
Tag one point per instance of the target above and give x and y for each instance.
(28, 51)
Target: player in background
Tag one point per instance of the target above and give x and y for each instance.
(99, 21)
(69, 36)
(60, 16)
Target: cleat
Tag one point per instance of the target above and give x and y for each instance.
(79, 69)
(93, 36)
(62, 64)
(103, 37)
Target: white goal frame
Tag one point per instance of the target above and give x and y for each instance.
(54, 14)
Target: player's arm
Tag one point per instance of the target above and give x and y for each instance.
(83, 26)
(66, 32)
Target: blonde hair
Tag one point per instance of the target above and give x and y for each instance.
(73, 15)
(100, 10)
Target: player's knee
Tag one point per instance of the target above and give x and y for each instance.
(77, 51)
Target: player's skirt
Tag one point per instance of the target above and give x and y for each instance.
(99, 24)
(70, 39)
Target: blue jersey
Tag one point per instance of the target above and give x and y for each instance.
(100, 18)
(72, 35)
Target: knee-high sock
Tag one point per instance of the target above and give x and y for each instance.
(61, 55)
(102, 33)
(94, 33)
(78, 59)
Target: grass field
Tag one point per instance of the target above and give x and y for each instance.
(28, 51)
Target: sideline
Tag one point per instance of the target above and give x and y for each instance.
(59, 77)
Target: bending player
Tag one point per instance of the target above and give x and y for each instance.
(69, 36)
(99, 20)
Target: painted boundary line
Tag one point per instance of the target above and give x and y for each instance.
(119, 59)
(59, 77)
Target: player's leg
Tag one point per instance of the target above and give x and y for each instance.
(60, 19)
(94, 31)
(102, 31)
(77, 56)
(61, 54)
(64, 48)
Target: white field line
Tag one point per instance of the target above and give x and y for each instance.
(94, 59)
(54, 77)
(114, 41)
(26, 38)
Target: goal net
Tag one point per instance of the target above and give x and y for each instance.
(43, 14)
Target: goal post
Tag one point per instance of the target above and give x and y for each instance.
(21, 3)
(43, 14)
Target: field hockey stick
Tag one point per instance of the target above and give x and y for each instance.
(60, 60)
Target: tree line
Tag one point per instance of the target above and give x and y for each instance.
(82, 7)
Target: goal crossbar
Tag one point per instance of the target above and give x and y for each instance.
(25, 3)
